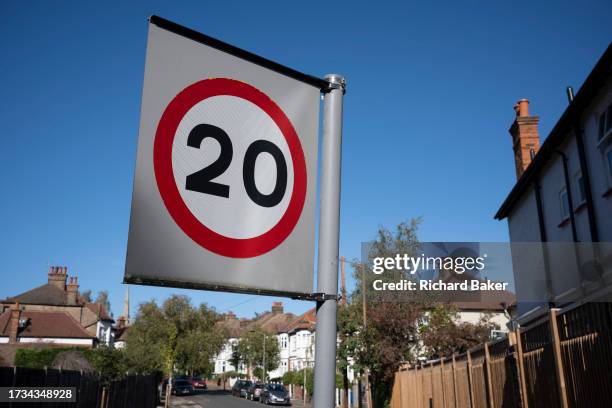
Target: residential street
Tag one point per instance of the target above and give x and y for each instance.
(218, 399)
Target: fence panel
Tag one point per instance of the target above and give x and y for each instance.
(462, 383)
(479, 387)
(585, 340)
(448, 384)
(504, 376)
(586, 347)
(540, 376)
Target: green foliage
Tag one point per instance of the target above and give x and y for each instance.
(173, 336)
(250, 351)
(443, 334)
(108, 362)
(296, 377)
(391, 334)
(38, 357)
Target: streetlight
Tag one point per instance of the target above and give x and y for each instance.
(264, 358)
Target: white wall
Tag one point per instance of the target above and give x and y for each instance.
(567, 283)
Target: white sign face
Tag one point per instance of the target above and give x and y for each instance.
(226, 172)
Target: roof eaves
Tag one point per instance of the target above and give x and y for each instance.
(590, 87)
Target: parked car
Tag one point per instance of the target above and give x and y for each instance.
(254, 391)
(182, 387)
(274, 394)
(198, 382)
(240, 387)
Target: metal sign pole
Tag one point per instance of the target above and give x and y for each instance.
(329, 228)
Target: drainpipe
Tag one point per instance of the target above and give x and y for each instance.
(543, 239)
(584, 169)
(568, 189)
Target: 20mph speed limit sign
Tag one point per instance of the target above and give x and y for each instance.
(225, 175)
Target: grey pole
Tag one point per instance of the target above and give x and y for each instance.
(329, 231)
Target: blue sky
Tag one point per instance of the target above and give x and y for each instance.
(431, 87)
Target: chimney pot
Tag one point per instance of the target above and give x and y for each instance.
(57, 277)
(525, 137)
(14, 323)
(72, 291)
(523, 109)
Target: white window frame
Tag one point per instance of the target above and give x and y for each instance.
(562, 209)
(607, 125)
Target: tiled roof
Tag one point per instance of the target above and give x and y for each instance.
(99, 310)
(268, 322)
(46, 294)
(45, 324)
(120, 333)
(307, 321)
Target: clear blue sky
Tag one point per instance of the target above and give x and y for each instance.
(429, 102)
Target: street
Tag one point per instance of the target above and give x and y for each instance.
(218, 399)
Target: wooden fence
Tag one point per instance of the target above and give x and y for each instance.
(134, 391)
(564, 360)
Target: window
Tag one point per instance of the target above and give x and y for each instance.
(564, 204)
(605, 122)
(581, 190)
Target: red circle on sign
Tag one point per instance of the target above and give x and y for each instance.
(164, 174)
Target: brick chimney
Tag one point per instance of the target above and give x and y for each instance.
(57, 276)
(14, 323)
(277, 307)
(72, 291)
(525, 136)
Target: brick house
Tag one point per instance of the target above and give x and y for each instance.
(53, 314)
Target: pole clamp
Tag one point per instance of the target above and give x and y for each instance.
(335, 81)
(321, 297)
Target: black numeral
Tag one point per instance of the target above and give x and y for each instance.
(248, 173)
(200, 181)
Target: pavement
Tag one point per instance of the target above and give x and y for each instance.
(217, 398)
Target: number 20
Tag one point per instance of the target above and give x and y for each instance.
(201, 180)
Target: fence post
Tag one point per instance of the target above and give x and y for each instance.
(418, 393)
(521, 368)
(556, 343)
(103, 398)
(470, 380)
(442, 382)
(456, 401)
(490, 401)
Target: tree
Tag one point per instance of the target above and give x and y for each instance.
(348, 345)
(109, 362)
(443, 334)
(391, 333)
(249, 350)
(175, 335)
(102, 300)
(86, 296)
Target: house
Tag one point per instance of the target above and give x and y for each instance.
(37, 328)
(296, 344)
(559, 212)
(59, 299)
(271, 322)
